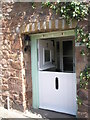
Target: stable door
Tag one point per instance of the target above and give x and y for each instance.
(57, 79)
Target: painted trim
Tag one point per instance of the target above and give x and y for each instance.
(54, 34)
(76, 76)
(34, 65)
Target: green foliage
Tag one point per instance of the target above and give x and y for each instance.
(82, 52)
(83, 38)
(74, 10)
(69, 10)
(33, 5)
(84, 78)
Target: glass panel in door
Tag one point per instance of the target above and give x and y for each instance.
(68, 56)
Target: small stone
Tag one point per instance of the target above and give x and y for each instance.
(4, 61)
(4, 81)
(9, 10)
(16, 65)
(5, 52)
(5, 87)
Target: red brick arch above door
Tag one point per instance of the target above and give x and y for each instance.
(47, 26)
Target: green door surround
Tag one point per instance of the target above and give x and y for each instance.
(34, 59)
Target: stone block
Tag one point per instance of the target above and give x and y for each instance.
(6, 73)
(19, 74)
(20, 96)
(13, 56)
(16, 45)
(82, 108)
(15, 65)
(14, 87)
(5, 87)
(0, 88)
(16, 96)
(4, 80)
(82, 115)
(15, 84)
(15, 80)
(17, 105)
(83, 94)
(89, 94)
(29, 94)
(4, 61)
(5, 53)
(13, 73)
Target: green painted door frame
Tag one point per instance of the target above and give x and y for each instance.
(34, 59)
(34, 68)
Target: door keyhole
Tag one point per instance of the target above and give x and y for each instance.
(56, 83)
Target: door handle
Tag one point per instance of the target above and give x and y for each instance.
(56, 83)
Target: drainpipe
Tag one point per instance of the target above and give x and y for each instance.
(8, 102)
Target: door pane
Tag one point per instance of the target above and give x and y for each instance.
(67, 48)
(68, 64)
(58, 55)
(47, 55)
(68, 56)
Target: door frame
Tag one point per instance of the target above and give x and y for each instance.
(34, 59)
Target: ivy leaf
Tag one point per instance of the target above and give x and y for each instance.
(84, 40)
(82, 52)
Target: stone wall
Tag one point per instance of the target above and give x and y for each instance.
(15, 62)
(81, 63)
(13, 69)
(0, 53)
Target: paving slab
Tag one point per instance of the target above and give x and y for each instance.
(51, 114)
(11, 113)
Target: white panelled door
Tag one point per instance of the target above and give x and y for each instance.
(61, 97)
(57, 90)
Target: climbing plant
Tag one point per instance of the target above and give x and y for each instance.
(69, 10)
(83, 38)
(84, 78)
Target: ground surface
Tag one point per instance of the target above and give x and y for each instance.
(37, 113)
(51, 114)
(4, 113)
(34, 113)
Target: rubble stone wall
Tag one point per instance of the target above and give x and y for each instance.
(16, 64)
(0, 53)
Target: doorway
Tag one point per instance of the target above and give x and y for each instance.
(56, 73)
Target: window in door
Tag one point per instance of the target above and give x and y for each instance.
(47, 56)
(67, 56)
(58, 56)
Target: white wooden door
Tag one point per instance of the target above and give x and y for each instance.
(61, 99)
(57, 90)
